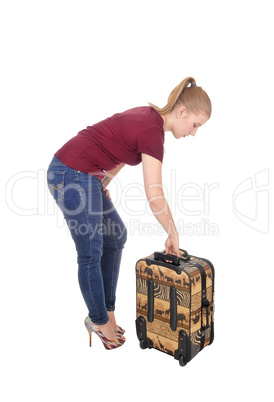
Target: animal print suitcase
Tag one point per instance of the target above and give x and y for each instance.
(175, 304)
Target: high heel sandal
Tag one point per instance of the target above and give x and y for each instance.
(108, 344)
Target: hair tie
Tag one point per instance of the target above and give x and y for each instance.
(193, 85)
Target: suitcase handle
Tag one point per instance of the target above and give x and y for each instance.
(158, 256)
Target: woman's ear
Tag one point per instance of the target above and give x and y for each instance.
(181, 111)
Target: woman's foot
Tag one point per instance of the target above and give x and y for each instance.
(103, 331)
(113, 322)
(107, 331)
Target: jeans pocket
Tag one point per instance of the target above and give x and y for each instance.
(56, 181)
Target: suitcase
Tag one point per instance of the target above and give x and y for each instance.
(175, 304)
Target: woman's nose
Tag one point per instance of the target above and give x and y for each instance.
(193, 132)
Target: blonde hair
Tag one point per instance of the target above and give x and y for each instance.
(194, 98)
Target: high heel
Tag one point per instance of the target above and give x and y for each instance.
(108, 344)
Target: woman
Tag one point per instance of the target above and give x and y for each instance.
(80, 172)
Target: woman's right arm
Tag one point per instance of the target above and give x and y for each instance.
(152, 171)
(110, 174)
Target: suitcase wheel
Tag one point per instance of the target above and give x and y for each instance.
(146, 343)
(143, 343)
(182, 360)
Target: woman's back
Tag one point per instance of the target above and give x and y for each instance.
(120, 138)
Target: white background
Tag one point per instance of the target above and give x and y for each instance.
(68, 64)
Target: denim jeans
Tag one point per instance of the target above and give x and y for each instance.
(98, 232)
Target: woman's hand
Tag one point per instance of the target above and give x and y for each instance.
(172, 245)
(106, 192)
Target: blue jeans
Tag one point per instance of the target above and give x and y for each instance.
(98, 232)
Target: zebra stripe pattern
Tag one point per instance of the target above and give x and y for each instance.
(163, 292)
(141, 286)
(190, 268)
(183, 298)
(195, 337)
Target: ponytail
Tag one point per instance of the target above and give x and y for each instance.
(194, 98)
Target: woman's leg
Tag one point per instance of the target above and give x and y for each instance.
(79, 196)
(114, 239)
(86, 231)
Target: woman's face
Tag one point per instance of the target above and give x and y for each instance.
(184, 124)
